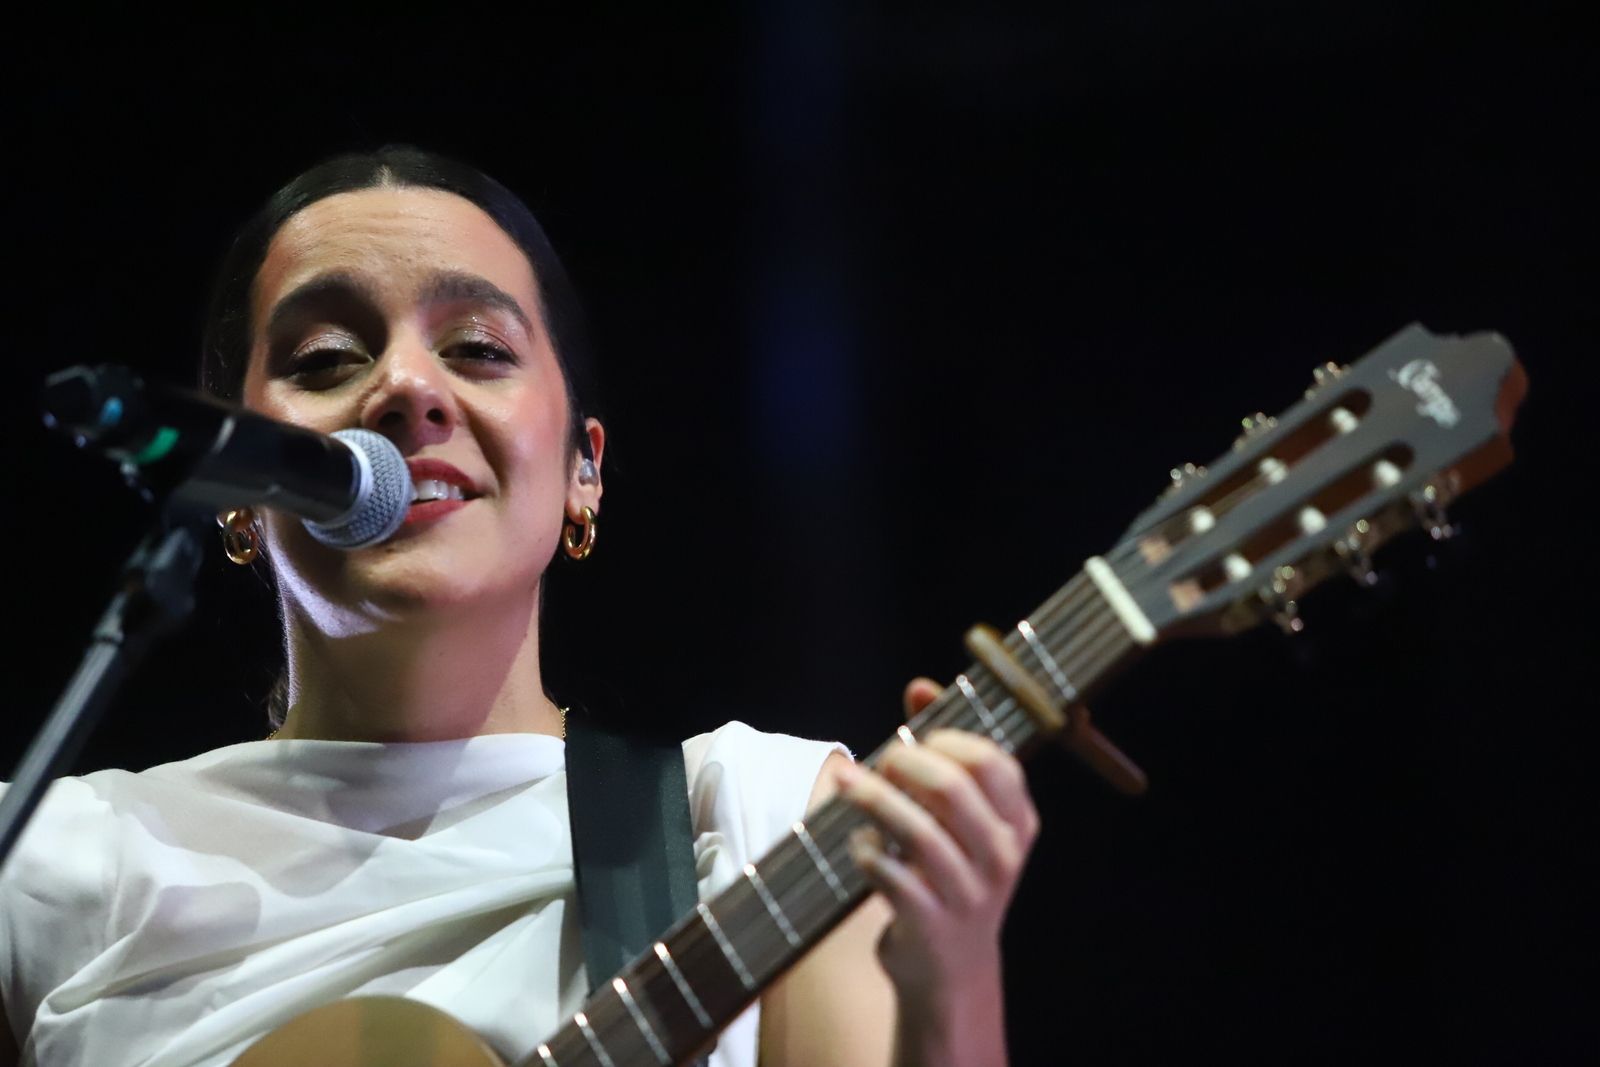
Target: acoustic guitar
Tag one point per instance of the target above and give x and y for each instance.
(1372, 449)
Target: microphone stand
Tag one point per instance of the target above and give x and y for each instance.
(155, 595)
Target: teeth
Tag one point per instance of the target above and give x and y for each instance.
(434, 489)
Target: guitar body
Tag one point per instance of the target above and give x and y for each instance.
(371, 1032)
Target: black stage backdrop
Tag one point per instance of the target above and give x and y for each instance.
(901, 314)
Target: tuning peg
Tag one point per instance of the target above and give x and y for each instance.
(1181, 476)
(1324, 374)
(1429, 503)
(1253, 425)
(1279, 600)
(1352, 549)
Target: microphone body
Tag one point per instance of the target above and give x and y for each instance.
(352, 488)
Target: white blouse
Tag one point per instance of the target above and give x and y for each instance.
(171, 917)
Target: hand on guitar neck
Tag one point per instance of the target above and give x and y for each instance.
(954, 826)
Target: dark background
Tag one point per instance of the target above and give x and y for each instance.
(901, 314)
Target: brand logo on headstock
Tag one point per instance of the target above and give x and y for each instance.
(1421, 376)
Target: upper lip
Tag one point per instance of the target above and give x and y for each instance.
(438, 470)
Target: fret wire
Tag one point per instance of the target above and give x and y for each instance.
(702, 962)
(614, 1025)
(646, 1031)
(748, 919)
(682, 984)
(820, 861)
(1063, 684)
(573, 1051)
(981, 709)
(595, 1046)
(726, 946)
(770, 902)
(794, 884)
(566, 1047)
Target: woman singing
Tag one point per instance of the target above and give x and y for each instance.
(404, 830)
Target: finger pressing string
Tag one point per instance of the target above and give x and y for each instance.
(944, 788)
(999, 775)
(896, 879)
(922, 839)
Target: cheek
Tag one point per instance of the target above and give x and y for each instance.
(531, 436)
(277, 400)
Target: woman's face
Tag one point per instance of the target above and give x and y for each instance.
(410, 312)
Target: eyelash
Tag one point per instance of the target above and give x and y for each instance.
(487, 350)
(324, 360)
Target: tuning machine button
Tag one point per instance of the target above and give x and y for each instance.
(1430, 503)
(1254, 426)
(1279, 598)
(1352, 549)
(1321, 376)
(1182, 476)
(1286, 613)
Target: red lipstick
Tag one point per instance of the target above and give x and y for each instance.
(427, 469)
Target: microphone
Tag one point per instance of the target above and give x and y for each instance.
(351, 489)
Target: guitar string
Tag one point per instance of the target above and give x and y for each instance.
(787, 868)
(1220, 507)
(1081, 652)
(1059, 612)
(791, 870)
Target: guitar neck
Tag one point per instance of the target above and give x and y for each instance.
(672, 1001)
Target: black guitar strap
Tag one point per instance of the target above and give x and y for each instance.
(632, 841)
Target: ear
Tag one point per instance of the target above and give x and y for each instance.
(584, 491)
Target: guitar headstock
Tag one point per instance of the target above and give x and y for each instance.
(1373, 449)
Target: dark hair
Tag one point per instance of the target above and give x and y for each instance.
(225, 348)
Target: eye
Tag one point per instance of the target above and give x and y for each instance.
(483, 350)
(483, 353)
(323, 368)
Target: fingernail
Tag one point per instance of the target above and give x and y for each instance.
(863, 846)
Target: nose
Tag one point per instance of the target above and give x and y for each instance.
(411, 402)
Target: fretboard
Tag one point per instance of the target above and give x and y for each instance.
(671, 1002)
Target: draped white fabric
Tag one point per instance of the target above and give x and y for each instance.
(168, 918)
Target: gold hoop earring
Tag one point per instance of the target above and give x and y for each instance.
(578, 545)
(239, 538)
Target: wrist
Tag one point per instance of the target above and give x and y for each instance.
(957, 1020)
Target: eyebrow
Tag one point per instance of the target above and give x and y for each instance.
(456, 287)
(316, 293)
(443, 287)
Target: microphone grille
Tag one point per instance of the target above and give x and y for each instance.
(382, 500)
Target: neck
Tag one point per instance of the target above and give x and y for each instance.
(444, 676)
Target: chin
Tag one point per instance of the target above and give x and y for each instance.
(405, 579)
(412, 584)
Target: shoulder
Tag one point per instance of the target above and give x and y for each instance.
(54, 889)
(750, 785)
(68, 866)
(63, 848)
